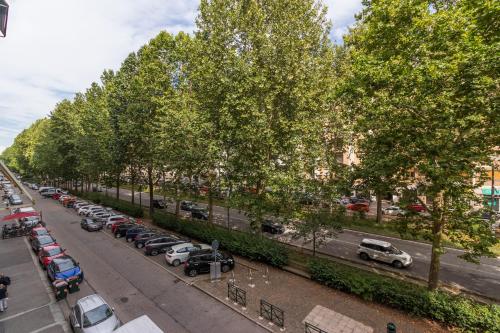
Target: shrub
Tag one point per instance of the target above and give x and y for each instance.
(120, 205)
(247, 245)
(452, 310)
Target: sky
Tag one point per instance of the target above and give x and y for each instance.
(56, 48)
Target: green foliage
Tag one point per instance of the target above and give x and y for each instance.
(451, 310)
(247, 245)
(120, 205)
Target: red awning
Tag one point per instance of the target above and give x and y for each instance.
(19, 216)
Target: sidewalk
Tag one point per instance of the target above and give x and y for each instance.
(297, 296)
(32, 308)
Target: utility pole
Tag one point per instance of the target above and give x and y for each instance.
(492, 187)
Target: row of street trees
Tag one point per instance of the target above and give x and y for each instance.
(258, 99)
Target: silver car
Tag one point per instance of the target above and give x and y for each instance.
(92, 314)
(393, 211)
(383, 251)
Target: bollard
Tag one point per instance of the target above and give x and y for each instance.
(391, 328)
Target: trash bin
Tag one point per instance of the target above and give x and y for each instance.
(73, 284)
(391, 328)
(60, 288)
(215, 273)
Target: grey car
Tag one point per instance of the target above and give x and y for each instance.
(92, 314)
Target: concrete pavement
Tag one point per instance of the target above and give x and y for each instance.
(483, 279)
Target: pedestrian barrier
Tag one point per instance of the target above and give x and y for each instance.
(310, 328)
(237, 295)
(272, 313)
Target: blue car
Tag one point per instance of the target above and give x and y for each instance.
(63, 268)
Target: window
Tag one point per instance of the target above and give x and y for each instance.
(97, 315)
(78, 314)
(183, 250)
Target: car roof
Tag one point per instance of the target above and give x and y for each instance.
(51, 247)
(90, 302)
(375, 242)
(62, 258)
(179, 246)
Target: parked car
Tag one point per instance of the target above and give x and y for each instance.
(121, 230)
(416, 207)
(82, 208)
(131, 233)
(15, 199)
(143, 237)
(91, 224)
(101, 214)
(187, 205)
(383, 251)
(89, 211)
(41, 241)
(272, 227)
(64, 268)
(180, 253)
(200, 263)
(48, 253)
(358, 207)
(39, 231)
(113, 219)
(161, 244)
(116, 224)
(92, 314)
(159, 203)
(394, 211)
(48, 193)
(199, 213)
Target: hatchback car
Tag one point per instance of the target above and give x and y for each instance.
(200, 263)
(199, 213)
(92, 314)
(358, 207)
(131, 233)
(91, 224)
(159, 203)
(383, 251)
(187, 205)
(272, 227)
(63, 268)
(161, 244)
(121, 229)
(48, 253)
(143, 237)
(393, 211)
(15, 200)
(416, 207)
(180, 253)
(40, 242)
(114, 219)
(39, 231)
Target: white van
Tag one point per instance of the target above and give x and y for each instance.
(142, 324)
(23, 210)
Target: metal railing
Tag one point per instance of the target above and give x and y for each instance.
(236, 294)
(272, 313)
(310, 328)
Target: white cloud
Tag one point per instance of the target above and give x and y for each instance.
(58, 47)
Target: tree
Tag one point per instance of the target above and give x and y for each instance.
(424, 86)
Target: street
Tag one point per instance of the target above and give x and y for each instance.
(483, 279)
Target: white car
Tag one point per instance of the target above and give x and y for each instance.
(113, 219)
(393, 211)
(85, 209)
(180, 253)
(383, 251)
(92, 210)
(92, 314)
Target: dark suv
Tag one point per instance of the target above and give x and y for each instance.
(143, 237)
(199, 262)
(160, 244)
(159, 203)
(121, 230)
(187, 205)
(131, 233)
(272, 227)
(199, 213)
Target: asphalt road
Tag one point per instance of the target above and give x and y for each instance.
(134, 285)
(483, 279)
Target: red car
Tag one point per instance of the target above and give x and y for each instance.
(359, 207)
(56, 196)
(39, 231)
(48, 253)
(416, 207)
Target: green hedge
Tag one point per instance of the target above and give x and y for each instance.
(452, 310)
(120, 205)
(247, 245)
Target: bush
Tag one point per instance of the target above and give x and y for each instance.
(247, 245)
(120, 205)
(452, 310)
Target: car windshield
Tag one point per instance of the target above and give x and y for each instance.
(97, 315)
(42, 232)
(65, 265)
(395, 250)
(54, 251)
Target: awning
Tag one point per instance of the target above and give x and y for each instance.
(19, 216)
(487, 190)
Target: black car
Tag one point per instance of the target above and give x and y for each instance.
(157, 245)
(199, 262)
(143, 237)
(131, 233)
(187, 205)
(91, 224)
(272, 227)
(121, 230)
(199, 213)
(41, 241)
(159, 203)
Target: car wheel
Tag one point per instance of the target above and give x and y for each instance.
(129, 240)
(193, 273)
(225, 268)
(364, 256)
(140, 245)
(118, 235)
(397, 264)
(176, 262)
(154, 252)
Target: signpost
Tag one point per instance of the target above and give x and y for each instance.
(215, 273)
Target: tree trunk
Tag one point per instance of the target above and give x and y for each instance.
(314, 243)
(81, 185)
(133, 183)
(437, 237)
(379, 207)
(210, 205)
(151, 190)
(118, 187)
(177, 201)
